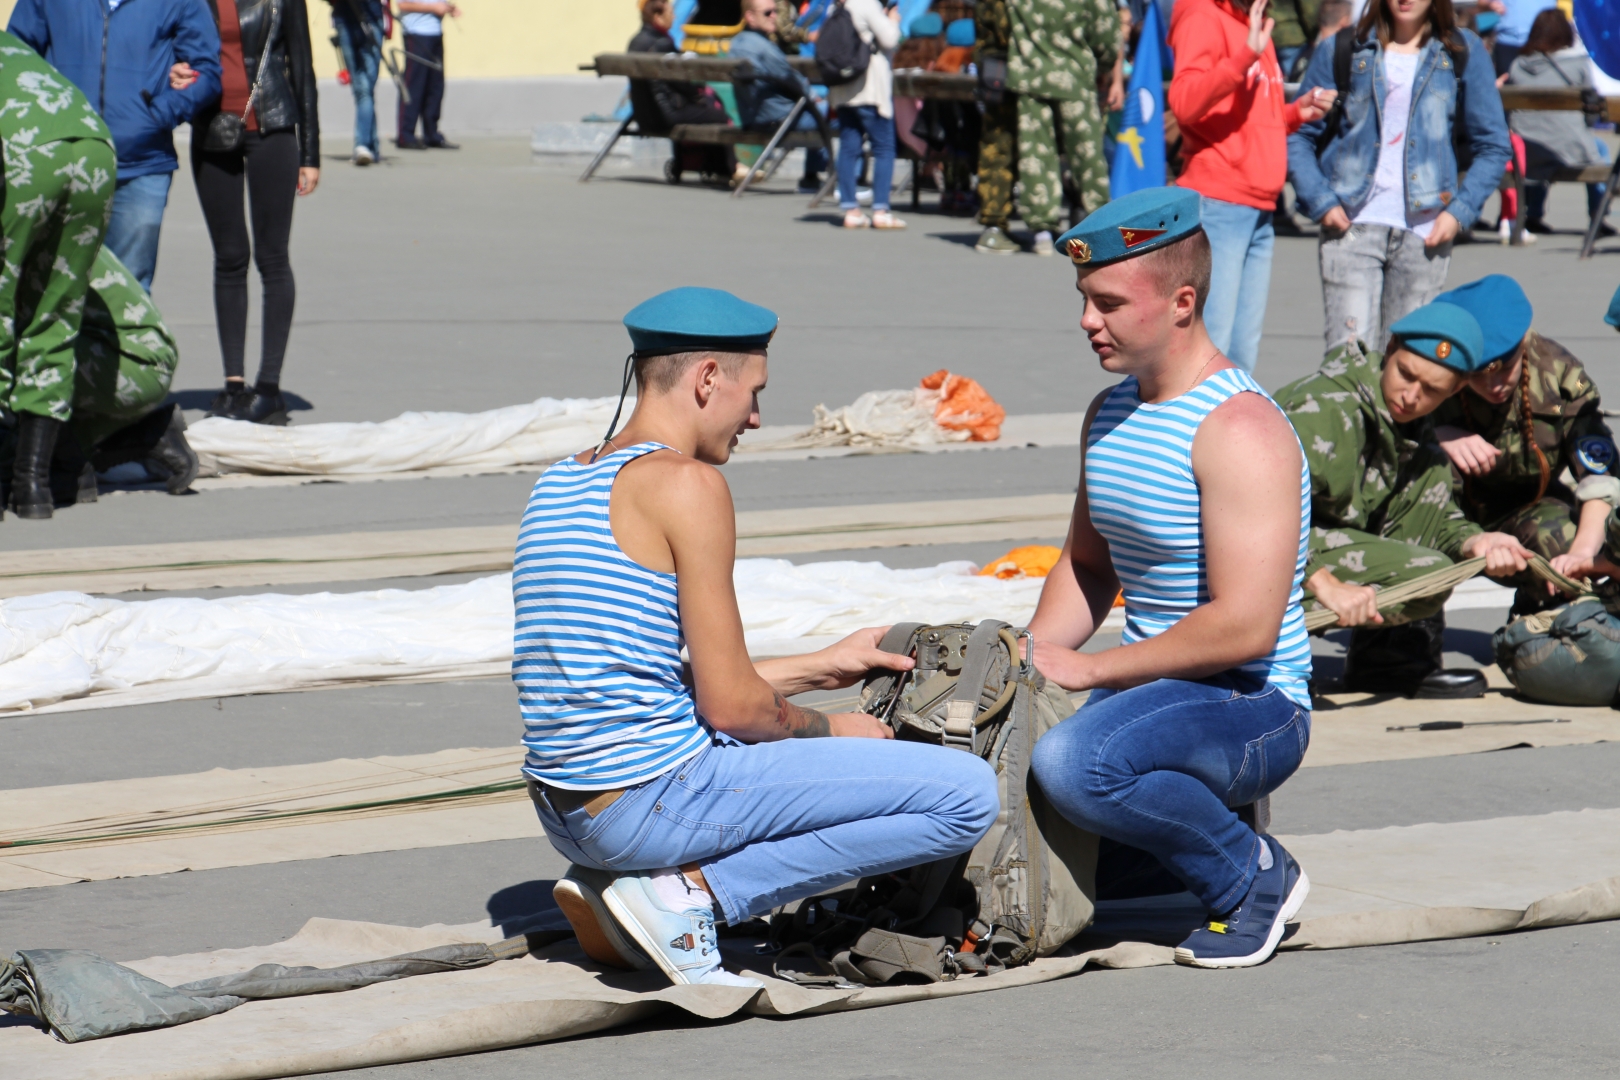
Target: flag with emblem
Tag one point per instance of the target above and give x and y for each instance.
(1139, 149)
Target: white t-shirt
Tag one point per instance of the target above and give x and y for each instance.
(1387, 206)
(422, 23)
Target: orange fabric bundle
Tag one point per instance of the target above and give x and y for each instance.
(1035, 560)
(966, 406)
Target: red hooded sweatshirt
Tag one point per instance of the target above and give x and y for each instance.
(1228, 100)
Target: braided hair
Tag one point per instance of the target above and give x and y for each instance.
(1527, 424)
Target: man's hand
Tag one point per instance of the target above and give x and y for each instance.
(1583, 567)
(1336, 221)
(1069, 669)
(1355, 605)
(308, 178)
(181, 76)
(1444, 231)
(858, 725)
(1315, 105)
(1260, 27)
(1471, 454)
(1504, 556)
(1116, 87)
(846, 662)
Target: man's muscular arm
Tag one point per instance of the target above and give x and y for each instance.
(676, 514)
(1082, 585)
(1247, 463)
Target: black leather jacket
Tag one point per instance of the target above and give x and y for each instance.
(287, 98)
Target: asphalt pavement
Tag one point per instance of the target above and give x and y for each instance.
(470, 280)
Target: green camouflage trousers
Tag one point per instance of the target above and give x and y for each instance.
(1041, 124)
(125, 354)
(998, 158)
(1547, 528)
(57, 201)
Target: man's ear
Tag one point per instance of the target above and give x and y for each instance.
(1185, 304)
(706, 379)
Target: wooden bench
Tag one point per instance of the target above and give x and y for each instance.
(706, 69)
(1559, 99)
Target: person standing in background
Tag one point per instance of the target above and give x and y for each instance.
(1385, 182)
(423, 24)
(1297, 22)
(1059, 48)
(1227, 96)
(865, 106)
(359, 27)
(1513, 30)
(998, 132)
(277, 158)
(118, 53)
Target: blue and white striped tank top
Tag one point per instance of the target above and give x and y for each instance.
(596, 654)
(1145, 502)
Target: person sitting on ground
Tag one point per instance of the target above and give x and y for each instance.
(1193, 497)
(765, 99)
(659, 104)
(707, 794)
(1529, 415)
(1382, 507)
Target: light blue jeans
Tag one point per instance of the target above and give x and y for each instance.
(361, 55)
(853, 122)
(776, 822)
(1162, 766)
(137, 222)
(1240, 242)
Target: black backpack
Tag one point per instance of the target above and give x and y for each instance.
(840, 53)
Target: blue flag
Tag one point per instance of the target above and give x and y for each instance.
(1599, 24)
(1139, 146)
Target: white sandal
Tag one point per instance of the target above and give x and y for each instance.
(883, 219)
(855, 219)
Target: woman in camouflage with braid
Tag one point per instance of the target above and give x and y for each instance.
(1533, 455)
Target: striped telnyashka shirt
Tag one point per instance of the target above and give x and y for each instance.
(597, 647)
(1145, 502)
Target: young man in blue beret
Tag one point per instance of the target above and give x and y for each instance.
(1382, 507)
(700, 789)
(1193, 498)
(1529, 416)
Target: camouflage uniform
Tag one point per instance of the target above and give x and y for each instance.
(125, 355)
(998, 131)
(789, 34)
(1382, 509)
(1567, 421)
(1058, 47)
(60, 173)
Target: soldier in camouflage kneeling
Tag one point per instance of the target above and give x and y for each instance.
(1528, 441)
(1382, 508)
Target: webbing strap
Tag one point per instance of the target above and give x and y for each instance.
(1443, 580)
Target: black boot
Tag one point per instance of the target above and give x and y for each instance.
(1406, 660)
(266, 406)
(31, 475)
(231, 400)
(158, 441)
(73, 479)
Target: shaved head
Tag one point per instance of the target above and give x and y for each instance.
(659, 374)
(1185, 262)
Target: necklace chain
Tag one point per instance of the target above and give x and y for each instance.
(1200, 376)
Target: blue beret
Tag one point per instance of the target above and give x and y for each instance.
(691, 318)
(1132, 225)
(1500, 307)
(1613, 317)
(1486, 21)
(1444, 333)
(928, 24)
(960, 32)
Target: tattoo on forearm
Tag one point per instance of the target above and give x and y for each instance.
(799, 722)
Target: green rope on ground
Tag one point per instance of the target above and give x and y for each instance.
(1444, 580)
(143, 832)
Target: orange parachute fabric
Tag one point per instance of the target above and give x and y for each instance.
(1035, 560)
(966, 406)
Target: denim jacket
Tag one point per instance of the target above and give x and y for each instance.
(1343, 173)
(766, 99)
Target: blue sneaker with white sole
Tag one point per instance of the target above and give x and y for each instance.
(682, 943)
(1249, 933)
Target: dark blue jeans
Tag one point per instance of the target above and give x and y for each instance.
(853, 122)
(1160, 767)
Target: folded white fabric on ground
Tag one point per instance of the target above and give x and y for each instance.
(540, 431)
(878, 418)
(61, 646)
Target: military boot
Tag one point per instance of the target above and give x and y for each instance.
(158, 441)
(31, 474)
(1406, 660)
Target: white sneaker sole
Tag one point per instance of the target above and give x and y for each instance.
(638, 933)
(594, 928)
(1290, 908)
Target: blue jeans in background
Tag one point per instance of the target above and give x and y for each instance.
(853, 122)
(361, 55)
(1160, 767)
(781, 821)
(1240, 242)
(137, 223)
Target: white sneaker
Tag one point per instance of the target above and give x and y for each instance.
(1043, 243)
(681, 943)
(363, 156)
(579, 895)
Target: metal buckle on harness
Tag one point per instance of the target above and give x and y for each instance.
(959, 730)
